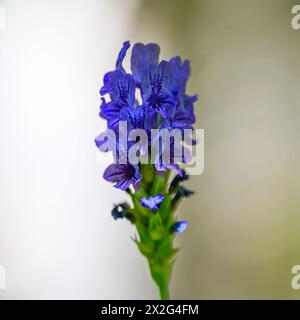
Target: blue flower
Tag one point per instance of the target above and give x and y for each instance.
(164, 104)
(152, 96)
(123, 174)
(155, 90)
(179, 226)
(152, 203)
(137, 118)
(121, 88)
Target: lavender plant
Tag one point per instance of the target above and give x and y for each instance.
(155, 187)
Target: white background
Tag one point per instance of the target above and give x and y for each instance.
(57, 238)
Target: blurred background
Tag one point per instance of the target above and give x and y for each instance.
(57, 237)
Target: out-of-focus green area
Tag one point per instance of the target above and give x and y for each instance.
(244, 234)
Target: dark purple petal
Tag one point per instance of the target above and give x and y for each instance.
(120, 87)
(109, 110)
(115, 172)
(142, 57)
(155, 91)
(183, 119)
(179, 74)
(188, 103)
(123, 184)
(122, 174)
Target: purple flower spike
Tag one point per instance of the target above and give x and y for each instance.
(150, 121)
(152, 203)
(123, 174)
(180, 226)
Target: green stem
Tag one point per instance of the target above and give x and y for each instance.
(164, 291)
(155, 239)
(162, 279)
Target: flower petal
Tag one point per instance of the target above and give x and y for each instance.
(179, 74)
(109, 110)
(123, 184)
(123, 174)
(142, 57)
(115, 172)
(120, 87)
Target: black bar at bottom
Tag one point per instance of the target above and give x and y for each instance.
(133, 309)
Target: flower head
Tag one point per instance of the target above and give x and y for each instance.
(164, 104)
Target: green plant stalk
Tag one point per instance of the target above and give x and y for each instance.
(155, 238)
